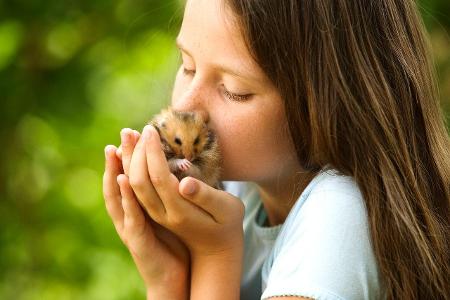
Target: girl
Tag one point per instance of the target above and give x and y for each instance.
(330, 110)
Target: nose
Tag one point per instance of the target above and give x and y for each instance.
(192, 101)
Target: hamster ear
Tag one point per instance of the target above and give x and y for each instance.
(166, 112)
(160, 119)
(154, 124)
(200, 117)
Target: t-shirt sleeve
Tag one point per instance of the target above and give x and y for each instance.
(325, 251)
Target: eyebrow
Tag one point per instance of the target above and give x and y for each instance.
(219, 67)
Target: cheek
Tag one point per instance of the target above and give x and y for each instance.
(254, 153)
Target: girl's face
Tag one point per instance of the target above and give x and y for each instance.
(219, 79)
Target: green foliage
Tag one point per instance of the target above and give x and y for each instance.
(436, 15)
(72, 74)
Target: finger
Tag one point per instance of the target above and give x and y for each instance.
(140, 182)
(134, 218)
(219, 204)
(128, 143)
(119, 152)
(137, 135)
(139, 234)
(164, 182)
(111, 191)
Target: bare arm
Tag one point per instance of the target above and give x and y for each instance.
(207, 221)
(217, 276)
(160, 257)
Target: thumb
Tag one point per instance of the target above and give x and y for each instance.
(220, 204)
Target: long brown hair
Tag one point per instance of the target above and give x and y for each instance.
(361, 96)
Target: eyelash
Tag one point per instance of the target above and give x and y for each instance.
(228, 94)
(188, 72)
(236, 97)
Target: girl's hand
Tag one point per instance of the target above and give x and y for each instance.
(161, 259)
(208, 221)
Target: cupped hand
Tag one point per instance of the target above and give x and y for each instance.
(161, 258)
(209, 221)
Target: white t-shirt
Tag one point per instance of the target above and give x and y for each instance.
(322, 251)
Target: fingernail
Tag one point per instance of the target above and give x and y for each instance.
(147, 132)
(118, 179)
(106, 150)
(125, 135)
(190, 188)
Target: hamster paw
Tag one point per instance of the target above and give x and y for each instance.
(183, 164)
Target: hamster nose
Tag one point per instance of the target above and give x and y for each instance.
(189, 156)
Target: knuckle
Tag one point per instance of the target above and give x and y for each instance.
(126, 151)
(106, 195)
(109, 209)
(136, 183)
(160, 219)
(123, 145)
(177, 220)
(202, 200)
(156, 217)
(109, 195)
(133, 225)
(157, 181)
(148, 204)
(152, 207)
(108, 203)
(126, 159)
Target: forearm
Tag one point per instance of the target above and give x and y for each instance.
(171, 285)
(176, 290)
(216, 277)
(167, 293)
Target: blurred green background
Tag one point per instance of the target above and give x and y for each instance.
(72, 74)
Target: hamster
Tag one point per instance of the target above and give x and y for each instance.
(191, 148)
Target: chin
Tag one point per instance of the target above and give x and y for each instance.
(236, 176)
(229, 175)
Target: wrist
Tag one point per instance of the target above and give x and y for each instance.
(167, 292)
(176, 289)
(216, 276)
(169, 285)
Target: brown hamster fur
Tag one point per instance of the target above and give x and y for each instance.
(191, 148)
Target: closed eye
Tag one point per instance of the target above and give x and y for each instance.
(236, 97)
(188, 72)
(228, 94)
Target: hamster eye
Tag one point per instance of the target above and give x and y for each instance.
(197, 140)
(178, 141)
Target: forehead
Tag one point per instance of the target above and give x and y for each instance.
(210, 33)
